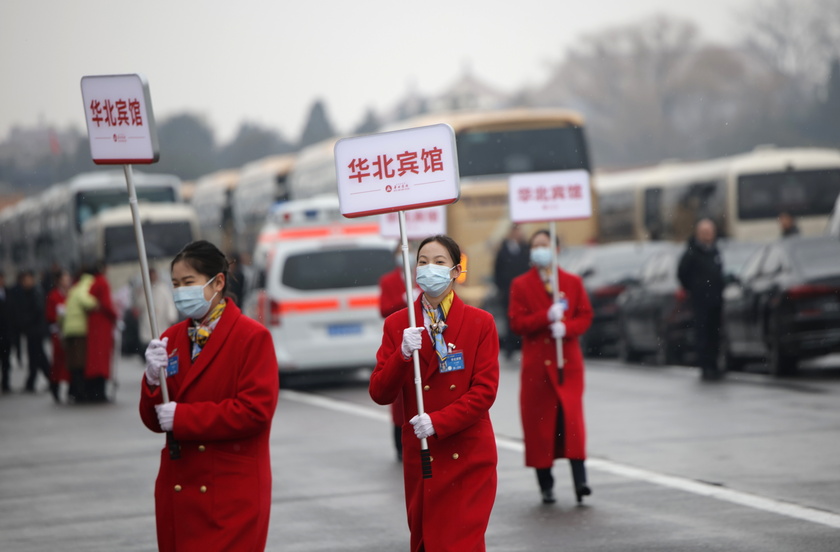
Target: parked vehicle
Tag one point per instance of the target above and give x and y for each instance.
(655, 315)
(784, 306)
(606, 271)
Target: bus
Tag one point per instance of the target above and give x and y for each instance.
(492, 146)
(44, 230)
(211, 198)
(744, 194)
(108, 237)
(262, 184)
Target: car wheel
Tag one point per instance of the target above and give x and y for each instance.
(726, 362)
(626, 353)
(779, 363)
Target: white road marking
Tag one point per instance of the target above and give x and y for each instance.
(673, 482)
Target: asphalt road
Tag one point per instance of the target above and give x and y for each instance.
(746, 464)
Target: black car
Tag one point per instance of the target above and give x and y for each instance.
(784, 306)
(655, 316)
(606, 270)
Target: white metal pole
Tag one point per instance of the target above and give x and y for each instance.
(556, 290)
(418, 386)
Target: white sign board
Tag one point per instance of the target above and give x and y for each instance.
(419, 223)
(120, 121)
(548, 196)
(397, 171)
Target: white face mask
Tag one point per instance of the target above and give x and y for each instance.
(190, 301)
(434, 279)
(541, 256)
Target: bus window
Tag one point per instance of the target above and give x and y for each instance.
(617, 211)
(91, 202)
(653, 213)
(162, 239)
(801, 193)
(519, 151)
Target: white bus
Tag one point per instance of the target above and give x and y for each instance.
(211, 197)
(262, 184)
(45, 229)
(744, 194)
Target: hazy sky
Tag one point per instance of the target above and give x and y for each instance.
(265, 61)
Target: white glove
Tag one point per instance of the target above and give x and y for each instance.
(156, 358)
(412, 340)
(166, 415)
(555, 312)
(422, 426)
(558, 330)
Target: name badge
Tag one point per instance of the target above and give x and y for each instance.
(172, 366)
(565, 302)
(454, 361)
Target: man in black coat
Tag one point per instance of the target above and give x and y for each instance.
(512, 260)
(5, 334)
(701, 274)
(31, 315)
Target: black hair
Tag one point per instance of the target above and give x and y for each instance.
(205, 258)
(547, 235)
(447, 242)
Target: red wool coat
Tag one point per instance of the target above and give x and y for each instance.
(100, 337)
(450, 511)
(541, 394)
(59, 363)
(217, 496)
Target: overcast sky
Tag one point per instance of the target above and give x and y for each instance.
(266, 61)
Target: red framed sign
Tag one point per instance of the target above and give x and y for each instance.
(397, 171)
(548, 196)
(120, 121)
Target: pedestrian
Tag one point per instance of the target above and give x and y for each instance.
(6, 325)
(165, 310)
(223, 385)
(100, 342)
(74, 330)
(392, 299)
(459, 358)
(56, 300)
(787, 225)
(511, 261)
(551, 400)
(30, 312)
(240, 273)
(700, 273)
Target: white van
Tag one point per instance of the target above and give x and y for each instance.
(316, 288)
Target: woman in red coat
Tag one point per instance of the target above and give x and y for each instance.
(100, 338)
(551, 408)
(55, 311)
(459, 360)
(223, 385)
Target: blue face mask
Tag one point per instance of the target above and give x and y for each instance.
(433, 279)
(541, 256)
(190, 301)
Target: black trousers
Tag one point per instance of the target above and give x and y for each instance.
(707, 334)
(5, 360)
(38, 361)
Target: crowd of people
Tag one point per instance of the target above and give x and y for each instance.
(76, 315)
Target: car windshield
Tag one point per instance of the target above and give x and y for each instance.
(735, 255)
(337, 268)
(817, 258)
(615, 263)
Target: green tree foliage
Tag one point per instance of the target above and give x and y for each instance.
(250, 143)
(317, 127)
(187, 147)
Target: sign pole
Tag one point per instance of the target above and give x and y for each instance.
(174, 446)
(425, 455)
(556, 292)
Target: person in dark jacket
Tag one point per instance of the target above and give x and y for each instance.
(30, 312)
(787, 225)
(701, 274)
(5, 333)
(512, 260)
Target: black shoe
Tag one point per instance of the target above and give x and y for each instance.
(548, 496)
(581, 492)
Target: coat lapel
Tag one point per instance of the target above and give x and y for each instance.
(213, 345)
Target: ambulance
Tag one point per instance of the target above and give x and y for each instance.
(315, 286)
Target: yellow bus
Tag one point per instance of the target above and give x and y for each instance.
(492, 146)
(744, 194)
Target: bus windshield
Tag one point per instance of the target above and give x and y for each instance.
(800, 193)
(91, 202)
(337, 269)
(521, 151)
(162, 239)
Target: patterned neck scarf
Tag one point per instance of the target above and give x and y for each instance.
(437, 318)
(200, 332)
